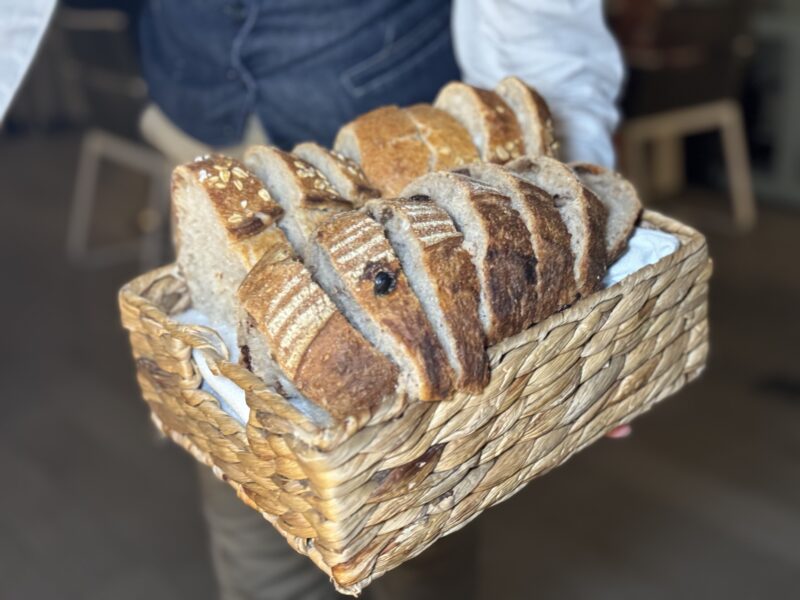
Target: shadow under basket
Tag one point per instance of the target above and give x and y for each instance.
(362, 497)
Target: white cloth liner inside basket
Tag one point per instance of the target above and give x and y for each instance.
(645, 247)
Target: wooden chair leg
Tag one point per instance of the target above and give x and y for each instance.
(737, 164)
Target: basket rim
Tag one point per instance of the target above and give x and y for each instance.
(285, 416)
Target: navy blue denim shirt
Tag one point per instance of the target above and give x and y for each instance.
(304, 67)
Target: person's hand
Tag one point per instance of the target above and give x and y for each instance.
(620, 432)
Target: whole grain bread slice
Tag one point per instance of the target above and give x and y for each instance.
(533, 115)
(387, 146)
(620, 199)
(555, 278)
(498, 243)
(449, 142)
(224, 223)
(444, 279)
(489, 120)
(346, 177)
(303, 192)
(581, 211)
(297, 341)
(353, 261)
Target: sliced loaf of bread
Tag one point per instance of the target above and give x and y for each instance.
(444, 279)
(353, 261)
(304, 193)
(346, 177)
(555, 279)
(498, 243)
(620, 199)
(533, 116)
(224, 223)
(296, 340)
(581, 211)
(387, 146)
(448, 141)
(489, 120)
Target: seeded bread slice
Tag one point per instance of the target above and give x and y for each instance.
(353, 261)
(224, 223)
(582, 212)
(621, 201)
(533, 116)
(498, 243)
(489, 120)
(388, 147)
(555, 280)
(449, 142)
(346, 177)
(296, 338)
(304, 193)
(444, 279)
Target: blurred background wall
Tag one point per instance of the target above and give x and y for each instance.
(701, 502)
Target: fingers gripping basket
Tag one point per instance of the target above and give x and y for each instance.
(362, 498)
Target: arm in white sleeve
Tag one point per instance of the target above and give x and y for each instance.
(22, 25)
(563, 48)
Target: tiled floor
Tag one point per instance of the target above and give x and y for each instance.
(702, 502)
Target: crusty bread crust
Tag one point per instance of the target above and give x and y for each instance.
(538, 136)
(591, 267)
(346, 177)
(453, 277)
(359, 252)
(386, 144)
(449, 142)
(501, 137)
(555, 280)
(328, 361)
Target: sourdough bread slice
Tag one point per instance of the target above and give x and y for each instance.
(441, 274)
(388, 147)
(489, 120)
(304, 193)
(555, 279)
(353, 261)
(498, 243)
(620, 199)
(448, 141)
(298, 341)
(582, 212)
(224, 223)
(533, 116)
(344, 174)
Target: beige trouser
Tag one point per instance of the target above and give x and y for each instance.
(252, 561)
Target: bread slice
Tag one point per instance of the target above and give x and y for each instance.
(498, 243)
(441, 274)
(224, 223)
(582, 212)
(304, 193)
(621, 201)
(344, 174)
(533, 116)
(353, 261)
(555, 280)
(296, 340)
(449, 142)
(388, 147)
(489, 120)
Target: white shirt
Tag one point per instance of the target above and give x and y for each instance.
(563, 49)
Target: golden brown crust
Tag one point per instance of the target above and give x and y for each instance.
(450, 143)
(362, 257)
(453, 277)
(329, 362)
(597, 258)
(315, 189)
(391, 151)
(536, 105)
(503, 134)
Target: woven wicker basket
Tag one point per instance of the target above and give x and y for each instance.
(362, 498)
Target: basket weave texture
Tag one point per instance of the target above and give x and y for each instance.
(361, 498)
